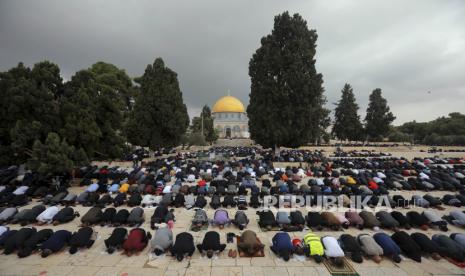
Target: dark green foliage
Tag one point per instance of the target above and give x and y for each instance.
(378, 118)
(79, 157)
(159, 117)
(23, 136)
(79, 112)
(95, 104)
(397, 136)
(441, 131)
(28, 101)
(286, 99)
(52, 157)
(196, 139)
(208, 130)
(347, 123)
(87, 112)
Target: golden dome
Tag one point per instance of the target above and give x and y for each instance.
(228, 104)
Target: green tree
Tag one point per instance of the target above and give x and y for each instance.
(94, 107)
(51, 157)
(286, 98)
(208, 129)
(347, 123)
(79, 111)
(28, 100)
(378, 118)
(159, 117)
(441, 131)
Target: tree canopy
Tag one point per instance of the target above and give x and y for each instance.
(29, 108)
(286, 98)
(95, 104)
(52, 157)
(159, 117)
(347, 123)
(448, 130)
(379, 117)
(208, 129)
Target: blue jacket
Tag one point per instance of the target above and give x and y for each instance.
(388, 245)
(57, 241)
(282, 242)
(114, 188)
(92, 187)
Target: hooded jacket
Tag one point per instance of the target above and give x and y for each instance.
(117, 238)
(136, 216)
(184, 244)
(408, 245)
(81, 238)
(93, 216)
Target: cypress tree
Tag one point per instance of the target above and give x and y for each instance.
(51, 157)
(379, 117)
(159, 117)
(208, 129)
(347, 123)
(286, 98)
(29, 109)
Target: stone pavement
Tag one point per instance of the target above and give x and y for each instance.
(95, 261)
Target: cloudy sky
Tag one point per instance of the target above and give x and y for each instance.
(413, 50)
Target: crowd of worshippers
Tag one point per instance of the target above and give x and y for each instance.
(229, 184)
(28, 240)
(359, 153)
(285, 155)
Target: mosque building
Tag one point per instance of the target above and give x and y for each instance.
(230, 118)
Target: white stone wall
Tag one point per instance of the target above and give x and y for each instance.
(237, 123)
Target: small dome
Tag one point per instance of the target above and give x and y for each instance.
(228, 104)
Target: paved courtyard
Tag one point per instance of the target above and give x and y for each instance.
(95, 261)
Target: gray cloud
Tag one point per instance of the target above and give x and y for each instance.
(406, 48)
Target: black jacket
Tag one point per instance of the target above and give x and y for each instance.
(93, 216)
(200, 201)
(184, 244)
(266, 218)
(401, 218)
(81, 238)
(31, 216)
(426, 244)
(349, 244)
(416, 219)
(17, 240)
(297, 218)
(408, 245)
(211, 241)
(34, 241)
(121, 217)
(117, 238)
(64, 215)
(108, 215)
(314, 219)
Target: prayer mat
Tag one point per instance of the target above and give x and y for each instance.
(264, 229)
(459, 264)
(345, 270)
(195, 228)
(241, 253)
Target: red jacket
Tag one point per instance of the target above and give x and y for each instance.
(136, 240)
(372, 185)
